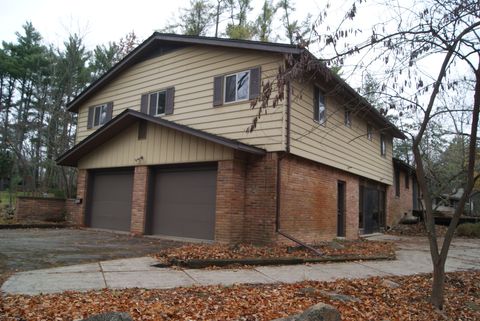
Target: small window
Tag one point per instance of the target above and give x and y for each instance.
(348, 118)
(383, 145)
(407, 180)
(157, 102)
(320, 109)
(99, 115)
(237, 87)
(369, 132)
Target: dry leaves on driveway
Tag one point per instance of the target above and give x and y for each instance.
(376, 301)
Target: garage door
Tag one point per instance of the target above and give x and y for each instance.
(111, 200)
(184, 203)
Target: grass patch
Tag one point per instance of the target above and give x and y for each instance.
(469, 230)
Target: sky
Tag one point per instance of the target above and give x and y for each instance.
(98, 21)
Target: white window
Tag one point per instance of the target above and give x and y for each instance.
(383, 145)
(100, 115)
(157, 102)
(320, 110)
(237, 87)
(348, 118)
(369, 132)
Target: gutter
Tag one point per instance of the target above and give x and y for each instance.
(279, 178)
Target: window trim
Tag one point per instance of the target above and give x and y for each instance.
(348, 118)
(156, 114)
(236, 90)
(99, 107)
(321, 93)
(369, 132)
(383, 145)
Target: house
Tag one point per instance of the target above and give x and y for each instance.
(404, 195)
(162, 147)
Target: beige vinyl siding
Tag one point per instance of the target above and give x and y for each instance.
(191, 71)
(335, 144)
(161, 146)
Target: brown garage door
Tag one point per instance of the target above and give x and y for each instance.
(183, 203)
(111, 200)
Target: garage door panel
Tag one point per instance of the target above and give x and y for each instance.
(111, 200)
(184, 203)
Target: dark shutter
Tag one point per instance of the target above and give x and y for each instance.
(142, 129)
(218, 91)
(144, 104)
(169, 101)
(255, 79)
(153, 104)
(90, 117)
(316, 94)
(109, 111)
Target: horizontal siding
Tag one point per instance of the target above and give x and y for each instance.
(191, 71)
(162, 146)
(335, 144)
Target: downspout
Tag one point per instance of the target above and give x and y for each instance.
(279, 177)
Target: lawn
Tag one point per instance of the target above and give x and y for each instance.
(399, 298)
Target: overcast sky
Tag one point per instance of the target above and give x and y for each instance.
(99, 21)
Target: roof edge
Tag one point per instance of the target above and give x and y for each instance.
(86, 144)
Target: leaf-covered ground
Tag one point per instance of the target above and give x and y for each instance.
(377, 301)
(417, 229)
(240, 251)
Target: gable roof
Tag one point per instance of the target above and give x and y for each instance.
(129, 117)
(173, 41)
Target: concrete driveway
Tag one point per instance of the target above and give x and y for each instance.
(31, 249)
(413, 257)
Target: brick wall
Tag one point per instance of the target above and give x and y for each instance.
(399, 206)
(75, 213)
(308, 209)
(40, 209)
(139, 199)
(260, 199)
(230, 201)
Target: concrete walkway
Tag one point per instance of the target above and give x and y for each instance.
(412, 257)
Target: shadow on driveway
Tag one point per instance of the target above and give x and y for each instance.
(31, 249)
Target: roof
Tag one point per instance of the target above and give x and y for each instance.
(401, 164)
(173, 41)
(129, 117)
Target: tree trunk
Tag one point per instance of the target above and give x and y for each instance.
(438, 284)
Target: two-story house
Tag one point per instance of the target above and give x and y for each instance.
(162, 147)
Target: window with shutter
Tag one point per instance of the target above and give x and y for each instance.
(99, 115)
(236, 87)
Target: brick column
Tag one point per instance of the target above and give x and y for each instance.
(139, 199)
(230, 201)
(76, 214)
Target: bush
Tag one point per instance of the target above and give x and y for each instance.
(469, 230)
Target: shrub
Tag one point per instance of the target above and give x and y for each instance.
(469, 229)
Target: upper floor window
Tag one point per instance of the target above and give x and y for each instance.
(369, 132)
(157, 102)
(99, 115)
(383, 145)
(319, 107)
(237, 86)
(348, 118)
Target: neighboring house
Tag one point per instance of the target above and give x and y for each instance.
(404, 196)
(162, 148)
(447, 203)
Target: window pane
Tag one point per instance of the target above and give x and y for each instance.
(322, 112)
(103, 114)
(161, 102)
(230, 82)
(242, 85)
(96, 119)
